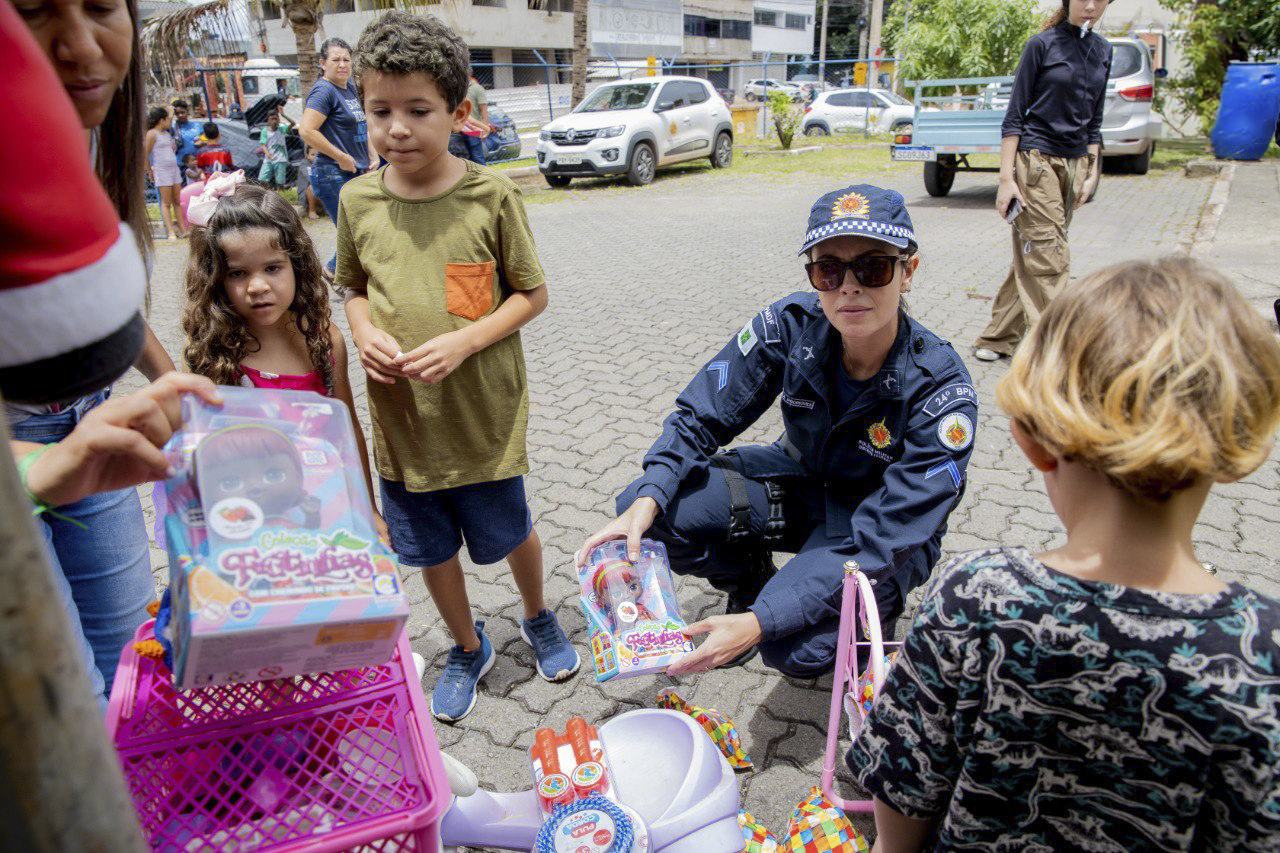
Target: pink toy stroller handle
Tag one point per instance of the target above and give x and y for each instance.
(857, 590)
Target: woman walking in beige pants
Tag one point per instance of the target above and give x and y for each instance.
(1049, 164)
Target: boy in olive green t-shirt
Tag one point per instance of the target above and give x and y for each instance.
(441, 272)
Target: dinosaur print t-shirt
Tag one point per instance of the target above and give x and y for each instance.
(1033, 711)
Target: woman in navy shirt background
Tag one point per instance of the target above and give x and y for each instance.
(333, 123)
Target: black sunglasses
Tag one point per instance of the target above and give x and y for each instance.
(868, 270)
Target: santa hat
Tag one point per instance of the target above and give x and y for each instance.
(71, 278)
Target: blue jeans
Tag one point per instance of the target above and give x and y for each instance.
(327, 181)
(473, 145)
(103, 573)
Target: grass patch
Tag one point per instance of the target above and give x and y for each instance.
(1173, 154)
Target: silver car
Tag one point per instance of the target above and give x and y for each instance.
(1130, 127)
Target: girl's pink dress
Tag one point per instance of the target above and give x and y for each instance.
(312, 381)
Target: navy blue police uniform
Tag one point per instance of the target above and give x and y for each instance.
(868, 474)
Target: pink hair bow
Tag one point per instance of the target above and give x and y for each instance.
(218, 185)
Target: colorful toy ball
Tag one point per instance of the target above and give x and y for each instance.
(722, 731)
(755, 838)
(818, 826)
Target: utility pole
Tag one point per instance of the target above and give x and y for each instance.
(822, 43)
(873, 48)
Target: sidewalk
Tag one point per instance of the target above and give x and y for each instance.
(1247, 243)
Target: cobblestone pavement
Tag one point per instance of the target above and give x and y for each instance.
(645, 284)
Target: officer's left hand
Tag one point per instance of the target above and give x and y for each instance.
(727, 637)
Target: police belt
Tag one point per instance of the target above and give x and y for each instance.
(740, 503)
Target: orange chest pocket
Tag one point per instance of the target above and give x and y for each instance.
(468, 288)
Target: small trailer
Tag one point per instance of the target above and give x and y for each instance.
(948, 128)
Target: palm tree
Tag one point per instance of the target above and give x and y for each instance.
(304, 17)
(581, 48)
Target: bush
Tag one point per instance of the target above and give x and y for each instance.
(786, 116)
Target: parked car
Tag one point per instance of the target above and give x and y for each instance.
(755, 89)
(810, 83)
(502, 143)
(848, 110)
(244, 143)
(1130, 127)
(634, 127)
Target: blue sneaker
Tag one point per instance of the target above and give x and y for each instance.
(455, 693)
(556, 657)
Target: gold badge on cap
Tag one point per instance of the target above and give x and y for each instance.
(851, 204)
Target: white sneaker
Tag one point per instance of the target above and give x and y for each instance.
(984, 354)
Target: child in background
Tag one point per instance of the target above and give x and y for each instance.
(191, 170)
(275, 156)
(1108, 694)
(306, 198)
(162, 168)
(441, 273)
(213, 157)
(257, 310)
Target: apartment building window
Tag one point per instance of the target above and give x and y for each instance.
(766, 18)
(716, 28)
(334, 7)
(499, 3)
(551, 5)
(797, 22)
(270, 10)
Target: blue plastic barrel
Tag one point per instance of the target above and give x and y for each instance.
(1247, 112)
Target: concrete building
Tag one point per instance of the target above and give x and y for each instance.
(505, 33)
(783, 28)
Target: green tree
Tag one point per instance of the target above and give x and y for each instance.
(1212, 35)
(959, 38)
(786, 116)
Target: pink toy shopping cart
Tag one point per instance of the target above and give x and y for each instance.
(860, 662)
(336, 761)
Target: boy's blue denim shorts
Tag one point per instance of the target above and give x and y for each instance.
(427, 528)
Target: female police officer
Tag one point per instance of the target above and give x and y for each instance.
(879, 417)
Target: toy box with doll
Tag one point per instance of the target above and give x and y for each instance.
(633, 617)
(275, 568)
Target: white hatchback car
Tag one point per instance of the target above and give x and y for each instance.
(757, 90)
(633, 127)
(848, 110)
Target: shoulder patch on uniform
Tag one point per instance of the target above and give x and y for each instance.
(958, 392)
(772, 331)
(747, 338)
(955, 431)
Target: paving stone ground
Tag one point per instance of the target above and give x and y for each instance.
(645, 284)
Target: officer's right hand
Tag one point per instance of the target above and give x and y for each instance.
(631, 525)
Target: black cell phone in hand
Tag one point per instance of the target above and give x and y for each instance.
(1011, 212)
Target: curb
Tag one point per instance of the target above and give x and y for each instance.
(1207, 229)
(746, 152)
(521, 172)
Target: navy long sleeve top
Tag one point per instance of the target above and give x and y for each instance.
(1058, 92)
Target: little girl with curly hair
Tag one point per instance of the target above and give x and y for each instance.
(257, 310)
(1109, 693)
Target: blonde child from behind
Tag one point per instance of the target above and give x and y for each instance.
(442, 272)
(1110, 693)
(257, 311)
